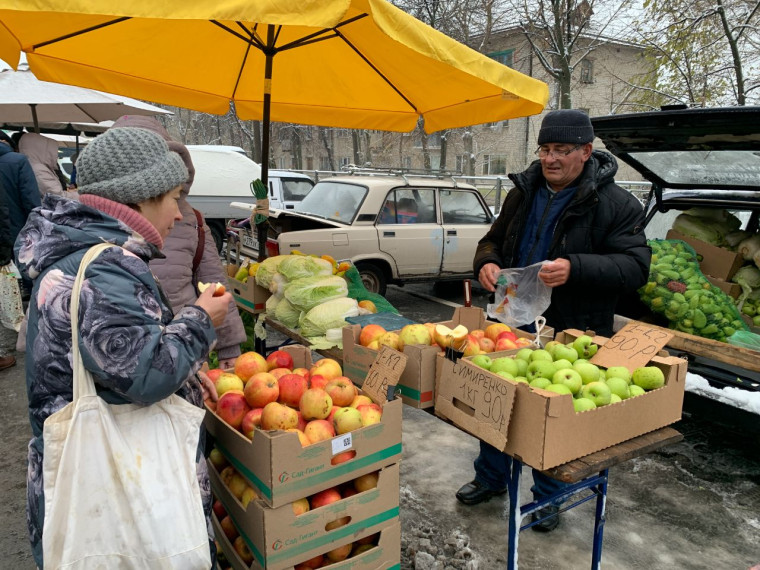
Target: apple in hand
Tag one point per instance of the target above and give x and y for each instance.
(598, 392)
(569, 378)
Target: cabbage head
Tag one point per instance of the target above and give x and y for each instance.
(328, 315)
(271, 305)
(301, 266)
(267, 269)
(306, 293)
(287, 314)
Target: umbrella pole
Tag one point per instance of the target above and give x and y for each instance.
(34, 118)
(262, 229)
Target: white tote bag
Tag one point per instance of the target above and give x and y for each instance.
(121, 490)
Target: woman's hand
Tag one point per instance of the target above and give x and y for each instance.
(208, 387)
(216, 307)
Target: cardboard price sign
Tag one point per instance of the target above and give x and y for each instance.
(632, 346)
(385, 371)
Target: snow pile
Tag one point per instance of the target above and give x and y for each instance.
(736, 397)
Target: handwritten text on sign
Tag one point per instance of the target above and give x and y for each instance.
(632, 346)
(384, 372)
(490, 396)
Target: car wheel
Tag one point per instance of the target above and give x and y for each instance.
(373, 277)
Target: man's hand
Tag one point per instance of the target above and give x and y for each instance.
(487, 276)
(555, 273)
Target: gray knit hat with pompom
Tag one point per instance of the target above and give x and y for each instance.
(129, 165)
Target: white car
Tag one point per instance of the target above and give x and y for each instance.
(395, 229)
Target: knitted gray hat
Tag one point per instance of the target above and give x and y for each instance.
(129, 165)
(566, 126)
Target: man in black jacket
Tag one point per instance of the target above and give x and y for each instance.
(567, 212)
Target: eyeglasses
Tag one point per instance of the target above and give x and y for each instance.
(542, 152)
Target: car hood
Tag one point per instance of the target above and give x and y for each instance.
(716, 148)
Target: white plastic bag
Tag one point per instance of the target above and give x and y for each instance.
(11, 309)
(120, 483)
(521, 297)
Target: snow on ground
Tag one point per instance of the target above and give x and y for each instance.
(736, 397)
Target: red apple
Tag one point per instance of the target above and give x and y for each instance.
(360, 400)
(310, 564)
(214, 374)
(292, 387)
(219, 509)
(478, 333)
(315, 404)
(300, 506)
(228, 527)
(341, 390)
(301, 421)
(301, 436)
(249, 363)
(326, 497)
(228, 381)
(261, 389)
(493, 331)
(505, 344)
(242, 549)
(340, 553)
(302, 371)
(318, 381)
(371, 414)
(343, 456)
(369, 333)
(232, 407)
(251, 421)
(486, 344)
(280, 359)
(326, 367)
(508, 335)
(319, 430)
(278, 416)
(280, 372)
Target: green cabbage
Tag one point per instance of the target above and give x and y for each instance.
(328, 315)
(287, 314)
(267, 269)
(749, 247)
(271, 305)
(306, 293)
(301, 266)
(749, 278)
(278, 284)
(697, 228)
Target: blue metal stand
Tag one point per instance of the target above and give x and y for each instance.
(597, 484)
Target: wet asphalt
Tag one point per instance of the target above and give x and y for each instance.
(692, 505)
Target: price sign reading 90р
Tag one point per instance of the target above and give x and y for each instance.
(385, 371)
(632, 346)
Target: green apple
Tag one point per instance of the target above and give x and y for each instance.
(756, 320)
(540, 368)
(649, 377)
(614, 399)
(580, 360)
(569, 378)
(635, 390)
(618, 372)
(589, 372)
(541, 354)
(504, 364)
(585, 346)
(619, 387)
(583, 404)
(561, 364)
(505, 374)
(549, 347)
(602, 374)
(562, 352)
(597, 392)
(482, 360)
(522, 366)
(524, 354)
(559, 389)
(520, 379)
(540, 382)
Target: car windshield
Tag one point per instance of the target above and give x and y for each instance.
(334, 201)
(295, 189)
(703, 168)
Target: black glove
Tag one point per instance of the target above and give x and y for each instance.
(6, 255)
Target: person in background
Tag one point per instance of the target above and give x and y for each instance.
(136, 348)
(73, 180)
(7, 335)
(566, 211)
(42, 153)
(22, 194)
(175, 270)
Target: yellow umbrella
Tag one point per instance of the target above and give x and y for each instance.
(342, 63)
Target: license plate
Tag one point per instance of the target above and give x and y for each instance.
(250, 241)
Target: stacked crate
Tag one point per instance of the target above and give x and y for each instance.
(353, 528)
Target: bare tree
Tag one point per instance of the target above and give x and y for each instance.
(701, 50)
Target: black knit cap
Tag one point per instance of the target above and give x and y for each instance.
(566, 126)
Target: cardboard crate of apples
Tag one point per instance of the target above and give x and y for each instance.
(326, 527)
(468, 330)
(565, 369)
(284, 423)
(552, 405)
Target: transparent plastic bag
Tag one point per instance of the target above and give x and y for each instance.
(521, 297)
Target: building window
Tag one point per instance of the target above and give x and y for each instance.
(587, 71)
(494, 164)
(344, 161)
(462, 162)
(503, 57)
(324, 163)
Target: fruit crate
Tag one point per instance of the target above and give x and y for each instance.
(542, 428)
(277, 538)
